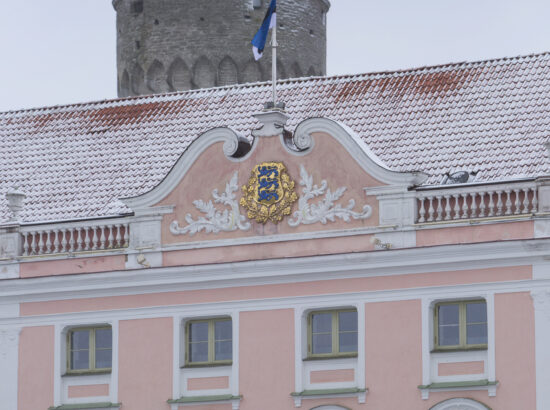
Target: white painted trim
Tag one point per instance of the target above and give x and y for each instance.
(430, 360)
(176, 361)
(286, 270)
(459, 403)
(61, 383)
(358, 150)
(231, 141)
(541, 303)
(9, 366)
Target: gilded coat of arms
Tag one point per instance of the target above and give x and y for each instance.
(269, 194)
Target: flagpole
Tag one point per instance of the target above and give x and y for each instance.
(274, 63)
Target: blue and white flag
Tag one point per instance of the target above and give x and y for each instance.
(259, 40)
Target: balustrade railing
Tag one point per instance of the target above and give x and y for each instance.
(476, 201)
(75, 237)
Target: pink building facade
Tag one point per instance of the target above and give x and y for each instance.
(290, 269)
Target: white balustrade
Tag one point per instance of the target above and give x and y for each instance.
(76, 237)
(476, 201)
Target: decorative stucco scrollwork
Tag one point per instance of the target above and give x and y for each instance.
(325, 209)
(215, 220)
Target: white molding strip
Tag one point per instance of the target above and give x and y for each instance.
(287, 270)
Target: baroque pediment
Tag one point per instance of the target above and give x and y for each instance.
(277, 182)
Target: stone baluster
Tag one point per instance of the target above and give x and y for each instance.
(439, 210)
(26, 244)
(110, 239)
(482, 204)
(464, 206)
(447, 207)
(63, 240)
(508, 202)
(525, 208)
(491, 204)
(102, 237)
(499, 203)
(431, 209)
(517, 203)
(535, 201)
(473, 208)
(94, 239)
(457, 206)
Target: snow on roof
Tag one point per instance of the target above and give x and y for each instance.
(74, 161)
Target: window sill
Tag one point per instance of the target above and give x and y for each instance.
(327, 393)
(87, 406)
(194, 400)
(331, 357)
(194, 366)
(491, 387)
(459, 349)
(86, 373)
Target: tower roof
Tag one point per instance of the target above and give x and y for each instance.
(74, 161)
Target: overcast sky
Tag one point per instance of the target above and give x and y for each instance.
(63, 51)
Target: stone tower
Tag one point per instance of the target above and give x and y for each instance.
(169, 45)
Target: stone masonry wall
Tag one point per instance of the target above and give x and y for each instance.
(169, 45)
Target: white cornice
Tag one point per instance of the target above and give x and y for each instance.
(286, 270)
(231, 141)
(357, 148)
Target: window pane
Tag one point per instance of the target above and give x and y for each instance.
(222, 330)
(198, 332)
(347, 321)
(348, 342)
(198, 352)
(449, 335)
(476, 312)
(103, 338)
(80, 360)
(223, 350)
(321, 322)
(321, 343)
(103, 358)
(476, 334)
(80, 339)
(448, 315)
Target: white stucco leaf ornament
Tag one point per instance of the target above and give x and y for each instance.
(325, 209)
(214, 219)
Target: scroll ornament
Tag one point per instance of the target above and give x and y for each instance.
(325, 209)
(215, 220)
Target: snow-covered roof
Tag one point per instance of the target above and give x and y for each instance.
(74, 161)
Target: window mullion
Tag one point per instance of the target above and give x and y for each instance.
(335, 338)
(462, 324)
(210, 340)
(91, 353)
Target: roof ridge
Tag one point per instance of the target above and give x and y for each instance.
(356, 76)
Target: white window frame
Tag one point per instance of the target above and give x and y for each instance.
(430, 357)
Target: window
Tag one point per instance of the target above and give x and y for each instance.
(89, 350)
(209, 342)
(332, 333)
(461, 325)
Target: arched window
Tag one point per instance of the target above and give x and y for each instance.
(330, 407)
(460, 404)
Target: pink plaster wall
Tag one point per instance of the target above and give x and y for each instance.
(266, 359)
(515, 358)
(393, 354)
(332, 376)
(515, 351)
(145, 363)
(458, 368)
(288, 249)
(206, 383)
(474, 234)
(72, 266)
(280, 290)
(35, 376)
(90, 390)
(328, 160)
